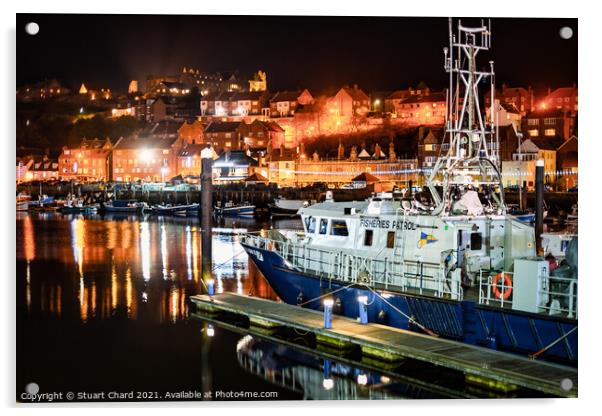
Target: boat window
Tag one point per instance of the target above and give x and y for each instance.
(368, 237)
(323, 225)
(310, 223)
(338, 227)
(391, 239)
(476, 241)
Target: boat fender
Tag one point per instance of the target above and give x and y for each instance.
(507, 285)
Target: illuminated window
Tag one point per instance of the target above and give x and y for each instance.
(533, 122)
(534, 133)
(550, 132)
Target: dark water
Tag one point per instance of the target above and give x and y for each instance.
(102, 308)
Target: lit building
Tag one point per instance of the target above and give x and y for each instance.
(548, 123)
(36, 168)
(89, 161)
(95, 93)
(233, 166)
(149, 156)
(284, 103)
(426, 108)
(522, 98)
(41, 91)
(260, 135)
(567, 161)
(259, 81)
(388, 168)
(564, 98)
(506, 114)
(522, 166)
(223, 135)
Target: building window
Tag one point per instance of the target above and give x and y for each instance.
(549, 121)
(534, 133)
(339, 227)
(550, 132)
(368, 236)
(533, 122)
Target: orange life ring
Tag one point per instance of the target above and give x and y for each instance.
(507, 285)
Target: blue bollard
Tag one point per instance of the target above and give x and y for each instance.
(328, 313)
(211, 287)
(327, 381)
(363, 306)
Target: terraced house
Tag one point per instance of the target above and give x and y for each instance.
(149, 155)
(89, 161)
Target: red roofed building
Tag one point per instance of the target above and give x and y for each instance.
(564, 98)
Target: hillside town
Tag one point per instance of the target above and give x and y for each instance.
(154, 133)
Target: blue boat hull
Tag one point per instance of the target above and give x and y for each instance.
(245, 211)
(513, 331)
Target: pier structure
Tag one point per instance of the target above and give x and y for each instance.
(496, 369)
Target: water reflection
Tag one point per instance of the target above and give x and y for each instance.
(317, 378)
(140, 268)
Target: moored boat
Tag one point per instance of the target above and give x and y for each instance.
(282, 207)
(235, 210)
(454, 264)
(130, 206)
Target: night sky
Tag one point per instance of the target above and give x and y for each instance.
(320, 53)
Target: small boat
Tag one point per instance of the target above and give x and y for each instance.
(235, 210)
(287, 207)
(188, 209)
(22, 205)
(130, 206)
(41, 201)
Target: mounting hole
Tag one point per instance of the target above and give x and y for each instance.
(566, 32)
(32, 28)
(566, 384)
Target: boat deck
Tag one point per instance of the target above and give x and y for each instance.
(388, 341)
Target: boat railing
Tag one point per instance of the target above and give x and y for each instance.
(555, 296)
(386, 273)
(561, 293)
(487, 289)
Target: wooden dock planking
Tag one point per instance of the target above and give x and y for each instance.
(469, 359)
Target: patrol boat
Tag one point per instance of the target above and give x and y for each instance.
(454, 264)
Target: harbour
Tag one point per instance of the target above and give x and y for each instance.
(221, 260)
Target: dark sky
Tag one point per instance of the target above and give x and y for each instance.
(381, 53)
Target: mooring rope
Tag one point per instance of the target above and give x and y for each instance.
(326, 294)
(544, 349)
(409, 318)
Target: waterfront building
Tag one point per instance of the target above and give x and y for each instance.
(281, 166)
(521, 168)
(391, 170)
(36, 168)
(567, 160)
(233, 166)
(430, 146)
(148, 156)
(88, 161)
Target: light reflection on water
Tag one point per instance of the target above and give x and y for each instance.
(117, 265)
